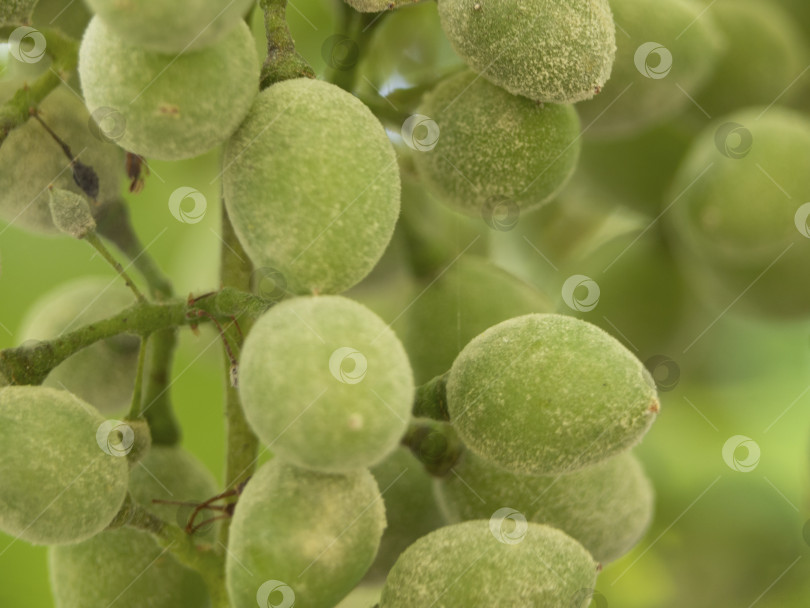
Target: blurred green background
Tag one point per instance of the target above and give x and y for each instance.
(721, 537)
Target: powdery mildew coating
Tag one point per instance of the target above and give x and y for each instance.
(631, 101)
(559, 51)
(494, 146)
(549, 394)
(606, 507)
(375, 6)
(325, 383)
(466, 565)
(173, 106)
(56, 484)
(71, 306)
(126, 566)
(312, 185)
(316, 532)
(170, 27)
(734, 223)
(31, 160)
(16, 11)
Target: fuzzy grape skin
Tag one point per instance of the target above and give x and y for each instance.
(16, 11)
(547, 394)
(30, 161)
(764, 53)
(312, 186)
(102, 374)
(493, 145)
(298, 407)
(174, 107)
(101, 571)
(459, 306)
(733, 223)
(606, 507)
(630, 101)
(56, 484)
(410, 508)
(465, 565)
(316, 532)
(170, 27)
(558, 51)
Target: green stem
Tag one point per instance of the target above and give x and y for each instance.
(283, 62)
(137, 391)
(242, 444)
(65, 53)
(98, 245)
(430, 400)
(435, 444)
(357, 27)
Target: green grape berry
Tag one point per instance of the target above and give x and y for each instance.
(102, 374)
(740, 225)
(306, 536)
(16, 11)
(494, 147)
(410, 508)
(671, 49)
(170, 27)
(558, 51)
(56, 484)
(323, 206)
(375, 6)
(126, 566)
(170, 106)
(606, 507)
(459, 306)
(546, 394)
(325, 383)
(484, 563)
(31, 160)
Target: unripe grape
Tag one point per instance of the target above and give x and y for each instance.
(325, 383)
(410, 508)
(16, 11)
(375, 6)
(323, 207)
(483, 563)
(547, 394)
(170, 106)
(606, 507)
(672, 47)
(126, 566)
(740, 223)
(102, 374)
(31, 160)
(493, 146)
(459, 306)
(763, 55)
(56, 484)
(71, 213)
(558, 51)
(315, 534)
(170, 27)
